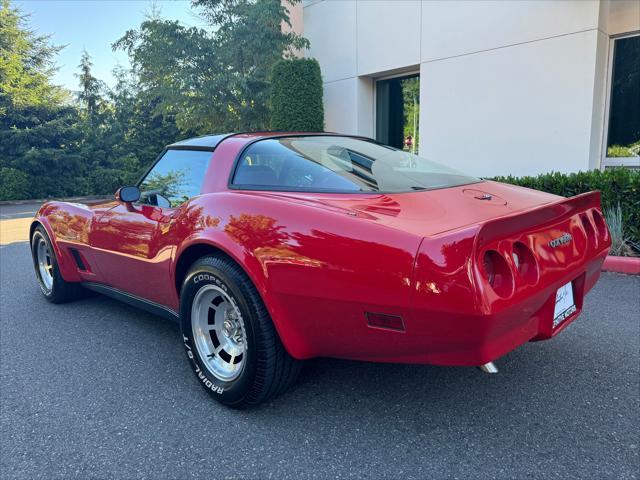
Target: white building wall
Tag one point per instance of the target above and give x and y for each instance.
(330, 27)
(511, 110)
(506, 87)
(465, 27)
(388, 35)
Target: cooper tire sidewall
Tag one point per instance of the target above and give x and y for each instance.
(41, 234)
(230, 392)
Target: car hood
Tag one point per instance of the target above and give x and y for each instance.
(430, 212)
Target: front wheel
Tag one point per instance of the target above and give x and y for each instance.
(229, 337)
(55, 288)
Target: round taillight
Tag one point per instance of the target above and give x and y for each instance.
(498, 273)
(588, 229)
(488, 269)
(601, 226)
(525, 262)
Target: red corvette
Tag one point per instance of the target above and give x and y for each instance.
(271, 248)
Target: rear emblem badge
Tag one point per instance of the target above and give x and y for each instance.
(484, 196)
(556, 242)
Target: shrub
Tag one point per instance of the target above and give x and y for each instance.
(619, 240)
(617, 185)
(296, 96)
(14, 184)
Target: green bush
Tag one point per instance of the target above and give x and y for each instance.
(296, 96)
(13, 184)
(617, 185)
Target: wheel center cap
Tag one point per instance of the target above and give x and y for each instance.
(227, 328)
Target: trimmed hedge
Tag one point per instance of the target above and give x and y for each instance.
(617, 185)
(296, 96)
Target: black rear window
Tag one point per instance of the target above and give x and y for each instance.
(339, 164)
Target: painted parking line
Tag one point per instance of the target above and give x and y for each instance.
(14, 230)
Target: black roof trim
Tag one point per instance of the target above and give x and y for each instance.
(209, 143)
(204, 142)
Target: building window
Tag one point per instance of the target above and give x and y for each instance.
(398, 112)
(623, 135)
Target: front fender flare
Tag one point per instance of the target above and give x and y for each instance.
(66, 264)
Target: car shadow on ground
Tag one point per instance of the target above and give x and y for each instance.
(538, 374)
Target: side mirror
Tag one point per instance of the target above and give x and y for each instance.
(128, 194)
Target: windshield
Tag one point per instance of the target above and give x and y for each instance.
(339, 164)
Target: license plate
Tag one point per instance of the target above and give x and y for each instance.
(564, 304)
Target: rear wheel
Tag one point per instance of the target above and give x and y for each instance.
(229, 337)
(53, 286)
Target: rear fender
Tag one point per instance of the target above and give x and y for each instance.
(292, 341)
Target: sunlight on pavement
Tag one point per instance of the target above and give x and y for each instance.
(14, 230)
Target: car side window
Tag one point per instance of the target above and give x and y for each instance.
(175, 178)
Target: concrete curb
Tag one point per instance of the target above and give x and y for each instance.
(628, 265)
(42, 200)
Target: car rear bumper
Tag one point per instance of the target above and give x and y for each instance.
(439, 338)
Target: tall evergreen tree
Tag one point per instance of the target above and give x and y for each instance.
(90, 87)
(37, 123)
(26, 63)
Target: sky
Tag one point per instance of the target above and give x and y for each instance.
(94, 25)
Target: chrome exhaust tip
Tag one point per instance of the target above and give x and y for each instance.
(489, 368)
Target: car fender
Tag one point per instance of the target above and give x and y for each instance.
(293, 343)
(309, 261)
(66, 265)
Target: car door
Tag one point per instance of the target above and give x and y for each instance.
(132, 242)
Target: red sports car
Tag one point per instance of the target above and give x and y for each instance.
(272, 248)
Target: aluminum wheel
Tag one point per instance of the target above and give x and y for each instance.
(219, 332)
(45, 264)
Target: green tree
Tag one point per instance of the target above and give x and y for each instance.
(123, 137)
(183, 81)
(26, 64)
(411, 100)
(214, 79)
(91, 88)
(14, 184)
(38, 133)
(137, 127)
(249, 40)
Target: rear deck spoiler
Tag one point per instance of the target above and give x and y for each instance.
(537, 217)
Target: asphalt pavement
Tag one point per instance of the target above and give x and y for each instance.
(97, 389)
(21, 210)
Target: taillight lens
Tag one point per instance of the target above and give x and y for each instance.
(488, 269)
(498, 273)
(588, 228)
(525, 262)
(603, 233)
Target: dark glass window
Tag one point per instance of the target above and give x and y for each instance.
(624, 110)
(176, 178)
(398, 112)
(339, 164)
